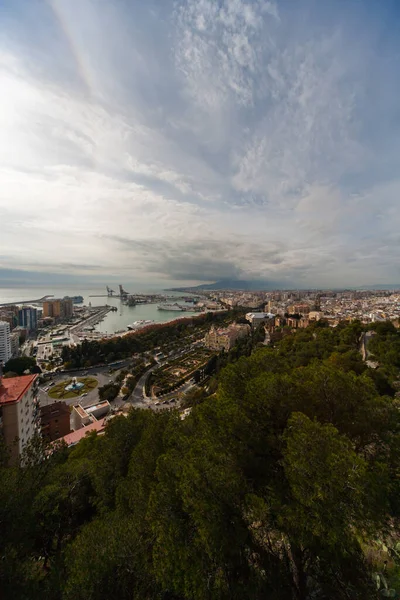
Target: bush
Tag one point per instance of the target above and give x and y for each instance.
(109, 391)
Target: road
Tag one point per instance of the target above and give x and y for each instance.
(37, 301)
(92, 370)
(103, 376)
(180, 390)
(364, 344)
(137, 398)
(76, 330)
(91, 398)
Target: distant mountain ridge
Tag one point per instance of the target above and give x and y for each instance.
(237, 285)
(381, 286)
(260, 285)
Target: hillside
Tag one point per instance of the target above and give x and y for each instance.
(283, 485)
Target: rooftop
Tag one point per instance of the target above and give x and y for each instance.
(75, 436)
(13, 388)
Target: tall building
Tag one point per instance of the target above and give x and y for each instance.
(58, 309)
(9, 314)
(14, 343)
(5, 342)
(28, 317)
(51, 308)
(19, 412)
(67, 308)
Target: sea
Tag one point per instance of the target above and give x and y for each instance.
(114, 321)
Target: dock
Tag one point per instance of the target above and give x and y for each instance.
(38, 301)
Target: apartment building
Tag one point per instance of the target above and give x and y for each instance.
(9, 314)
(19, 412)
(299, 309)
(28, 318)
(58, 309)
(14, 343)
(55, 421)
(5, 342)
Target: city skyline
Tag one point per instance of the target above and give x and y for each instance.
(192, 141)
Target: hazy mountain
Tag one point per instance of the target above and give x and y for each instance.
(239, 284)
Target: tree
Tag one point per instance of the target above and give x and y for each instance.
(109, 391)
(10, 374)
(197, 376)
(20, 364)
(276, 488)
(193, 397)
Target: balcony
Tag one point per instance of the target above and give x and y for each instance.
(36, 416)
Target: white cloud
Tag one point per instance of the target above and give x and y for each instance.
(196, 140)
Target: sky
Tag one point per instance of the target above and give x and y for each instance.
(189, 141)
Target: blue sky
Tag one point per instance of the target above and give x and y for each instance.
(195, 140)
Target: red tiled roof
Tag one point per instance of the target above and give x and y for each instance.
(75, 436)
(13, 388)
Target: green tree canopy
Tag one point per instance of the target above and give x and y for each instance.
(276, 487)
(20, 364)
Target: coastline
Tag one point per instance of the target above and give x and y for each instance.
(164, 323)
(115, 323)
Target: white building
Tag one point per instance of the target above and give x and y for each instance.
(5, 342)
(84, 416)
(14, 338)
(255, 318)
(315, 315)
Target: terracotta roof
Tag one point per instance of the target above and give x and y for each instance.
(13, 388)
(75, 436)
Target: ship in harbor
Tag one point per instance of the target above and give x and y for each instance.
(171, 307)
(139, 324)
(75, 299)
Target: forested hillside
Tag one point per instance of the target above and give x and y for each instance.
(284, 484)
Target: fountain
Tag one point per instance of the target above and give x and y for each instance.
(74, 386)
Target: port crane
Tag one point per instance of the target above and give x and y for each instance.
(110, 292)
(122, 292)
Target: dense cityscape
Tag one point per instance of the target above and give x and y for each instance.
(43, 333)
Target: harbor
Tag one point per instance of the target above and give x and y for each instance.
(137, 310)
(138, 315)
(115, 314)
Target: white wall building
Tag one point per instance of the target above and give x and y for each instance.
(5, 342)
(14, 338)
(255, 318)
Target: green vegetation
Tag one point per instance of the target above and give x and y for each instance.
(109, 391)
(385, 347)
(178, 370)
(164, 336)
(282, 485)
(20, 365)
(58, 391)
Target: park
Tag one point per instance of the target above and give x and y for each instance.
(72, 388)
